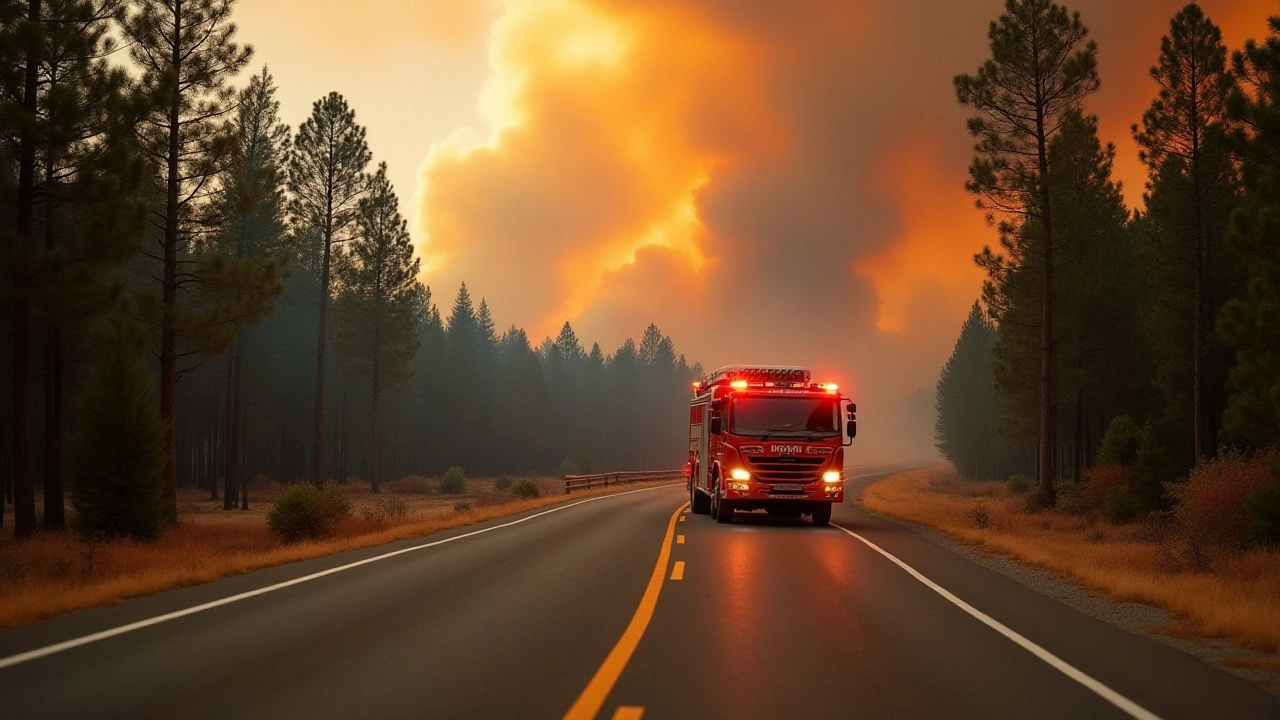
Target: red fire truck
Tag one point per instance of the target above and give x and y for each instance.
(767, 438)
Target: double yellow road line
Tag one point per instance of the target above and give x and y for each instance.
(588, 704)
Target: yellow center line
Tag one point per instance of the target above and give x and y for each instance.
(628, 712)
(588, 704)
(677, 572)
(679, 539)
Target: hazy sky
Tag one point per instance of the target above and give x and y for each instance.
(767, 181)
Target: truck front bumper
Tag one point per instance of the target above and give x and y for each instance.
(810, 492)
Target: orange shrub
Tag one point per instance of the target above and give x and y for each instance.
(1212, 505)
(1099, 480)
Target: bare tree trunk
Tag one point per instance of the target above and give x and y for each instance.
(55, 517)
(24, 506)
(231, 489)
(168, 319)
(1197, 365)
(374, 467)
(317, 455)
(235, 434)
(1046, 476)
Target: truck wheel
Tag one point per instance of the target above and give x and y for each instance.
(725, 512)
(822, 514)
(699, 503)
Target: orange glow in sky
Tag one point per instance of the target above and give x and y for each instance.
(776, 182)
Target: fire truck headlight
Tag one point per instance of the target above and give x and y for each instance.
(740, 474)
(831, 476)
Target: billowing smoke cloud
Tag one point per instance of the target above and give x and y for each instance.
(775, 182)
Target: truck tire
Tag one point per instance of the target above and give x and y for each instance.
(822, 514)
(699, 503)
(724, 514)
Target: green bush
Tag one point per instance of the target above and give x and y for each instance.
(116, 455)
(568, 467)
(1121, 442)
(502, 482)
(304, 512)
(454, 481)
(1264, 511)
(1152, 469)
(1137, 448)
(526, 488)
(1121, 505)
(1018, 484)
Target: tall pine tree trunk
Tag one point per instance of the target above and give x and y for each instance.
(317, 455)
(1048, 430)
(168, 316)
(374, 466)
(55, 517)
(24, 502)
(231, 488)
(1197, 342)
(235, 438)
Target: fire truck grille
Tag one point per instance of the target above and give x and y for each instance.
(786, 469)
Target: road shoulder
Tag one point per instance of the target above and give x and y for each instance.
(1137, 618)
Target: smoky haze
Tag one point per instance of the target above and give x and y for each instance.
(767, 182)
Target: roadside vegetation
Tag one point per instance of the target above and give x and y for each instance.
(269, 272)
(1195, 561)
(1114, 395)
(52, 573)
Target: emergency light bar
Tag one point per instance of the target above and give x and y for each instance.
(734, 374)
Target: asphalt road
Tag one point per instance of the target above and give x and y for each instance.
(618, 607)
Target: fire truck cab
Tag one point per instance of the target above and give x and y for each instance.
(767, 438)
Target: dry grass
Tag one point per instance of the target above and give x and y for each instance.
(1238, 600)
(54, 573)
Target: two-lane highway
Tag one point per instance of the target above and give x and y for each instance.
(618, 607)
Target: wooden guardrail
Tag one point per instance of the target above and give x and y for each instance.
(584, 482)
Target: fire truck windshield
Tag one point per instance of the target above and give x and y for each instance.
(766, 416)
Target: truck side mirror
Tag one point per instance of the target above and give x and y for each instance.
(716, 425)
(851, 429)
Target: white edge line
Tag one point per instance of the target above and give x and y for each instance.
(1057, 663)
(140, 624)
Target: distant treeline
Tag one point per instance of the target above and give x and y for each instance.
(1167, 318)
(195, 294)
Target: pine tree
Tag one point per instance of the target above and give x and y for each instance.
(461, 413)
(376, 275)
(327, 179)
(523, 423)
(968, 419)
(1251, 323)
(82, 204)
(117, 453)
(1040, 67)
(19, 249)
(187, 53)
(1190, 192)
(1103, 372)
(623, 378)
(250, 208)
